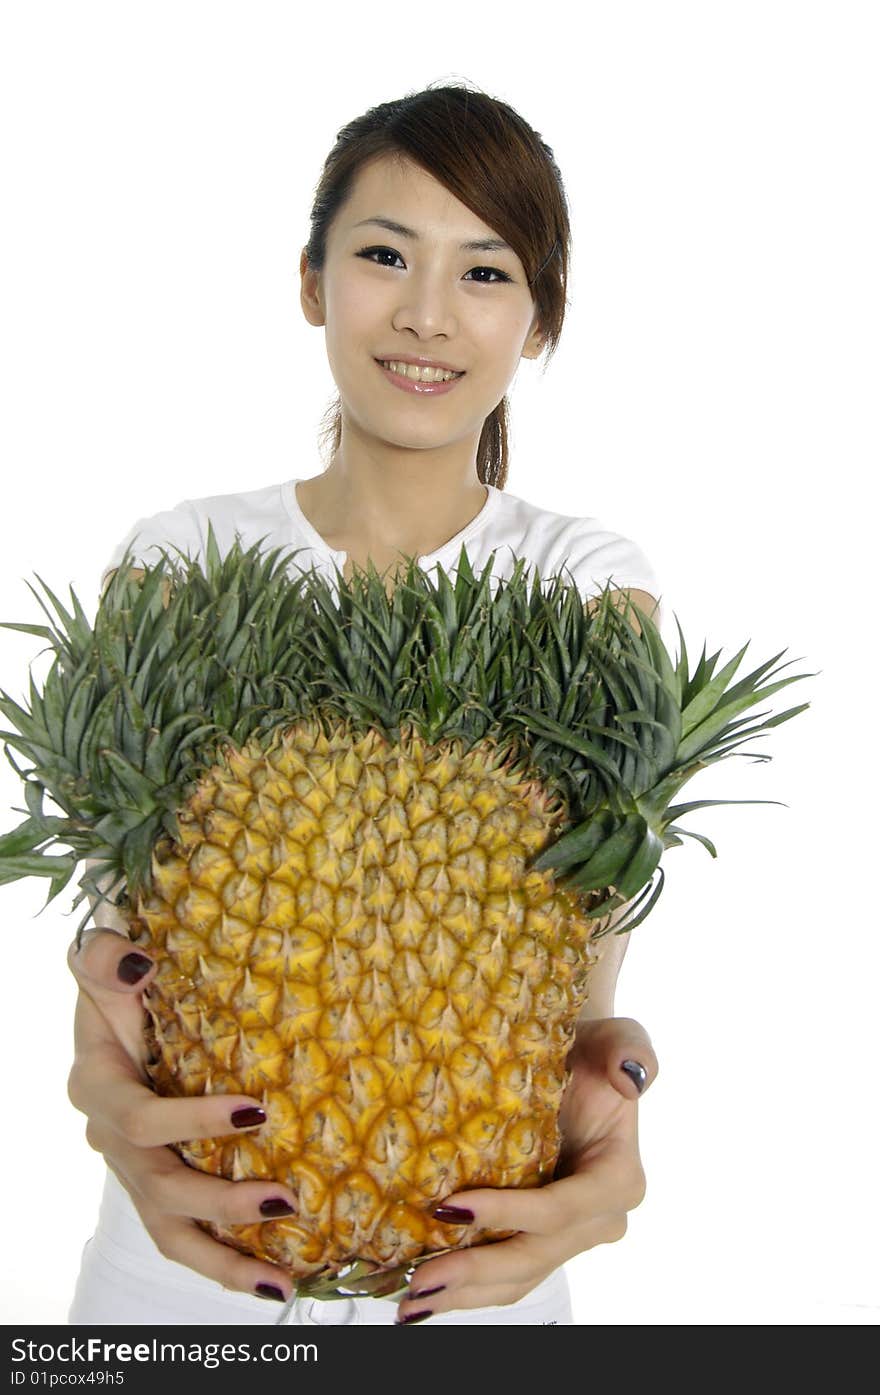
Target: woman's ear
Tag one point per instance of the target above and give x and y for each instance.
(535, 340)
(310, 291)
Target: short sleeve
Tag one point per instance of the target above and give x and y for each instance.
(173, 529)
(609, 557)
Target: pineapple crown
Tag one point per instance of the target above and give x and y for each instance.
(189, 660)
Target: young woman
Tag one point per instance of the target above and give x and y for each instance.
(439, 239)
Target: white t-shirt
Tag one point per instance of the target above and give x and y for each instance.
(549, 541)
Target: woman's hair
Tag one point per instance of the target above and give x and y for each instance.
(485, 154)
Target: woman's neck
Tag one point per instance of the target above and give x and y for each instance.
(388, 508)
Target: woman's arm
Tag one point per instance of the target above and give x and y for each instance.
(642, 599)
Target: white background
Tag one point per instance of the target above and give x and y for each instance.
(714, 397)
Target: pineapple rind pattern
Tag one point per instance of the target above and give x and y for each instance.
(347, 931)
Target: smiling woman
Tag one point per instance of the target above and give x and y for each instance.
(463, 175)
(424, 332)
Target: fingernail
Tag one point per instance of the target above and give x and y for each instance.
(456, 1214)
(247, 1116)
(425, 1292)
(276, 1206)
(637, 1073)
(132, 967)
(414, 1317)
(270, 1291)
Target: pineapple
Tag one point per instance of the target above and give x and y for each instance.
(372, 840)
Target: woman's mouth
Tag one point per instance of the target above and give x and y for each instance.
(422, 381)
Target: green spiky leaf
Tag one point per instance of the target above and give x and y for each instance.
(194, 656)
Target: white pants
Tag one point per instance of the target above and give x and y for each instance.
(125, 1279)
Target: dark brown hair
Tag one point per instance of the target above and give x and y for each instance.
(490, 159)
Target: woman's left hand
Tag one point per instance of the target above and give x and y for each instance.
(598, 1180)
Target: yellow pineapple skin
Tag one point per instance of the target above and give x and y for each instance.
(346, 931)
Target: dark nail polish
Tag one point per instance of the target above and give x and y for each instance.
(637, 1073)
(425, 1292)
(456, 1214)
(414, 1317)
(270, 1291)
(133, 967)
(247, 1116)
(276, 1206)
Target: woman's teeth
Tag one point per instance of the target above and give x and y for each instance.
(419, 374)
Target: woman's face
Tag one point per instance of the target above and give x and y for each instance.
(382, 294)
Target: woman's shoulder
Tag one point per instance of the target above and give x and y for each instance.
(592, 551)
(247, 514)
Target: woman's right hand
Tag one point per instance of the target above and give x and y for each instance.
(132, 1125)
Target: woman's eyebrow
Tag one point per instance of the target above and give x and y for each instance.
(486, 244)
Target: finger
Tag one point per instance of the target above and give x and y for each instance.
(621, 1049)
(501, 1273)
(476, 1277)
(183, 1242)
(103, 1087)
(104, 1084)
(168, 1195)
(119, 1022)
(609, 1179)
(630, 1060)
(107, 963)
(162, 1182)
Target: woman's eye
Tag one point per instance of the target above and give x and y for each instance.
(370, 253)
